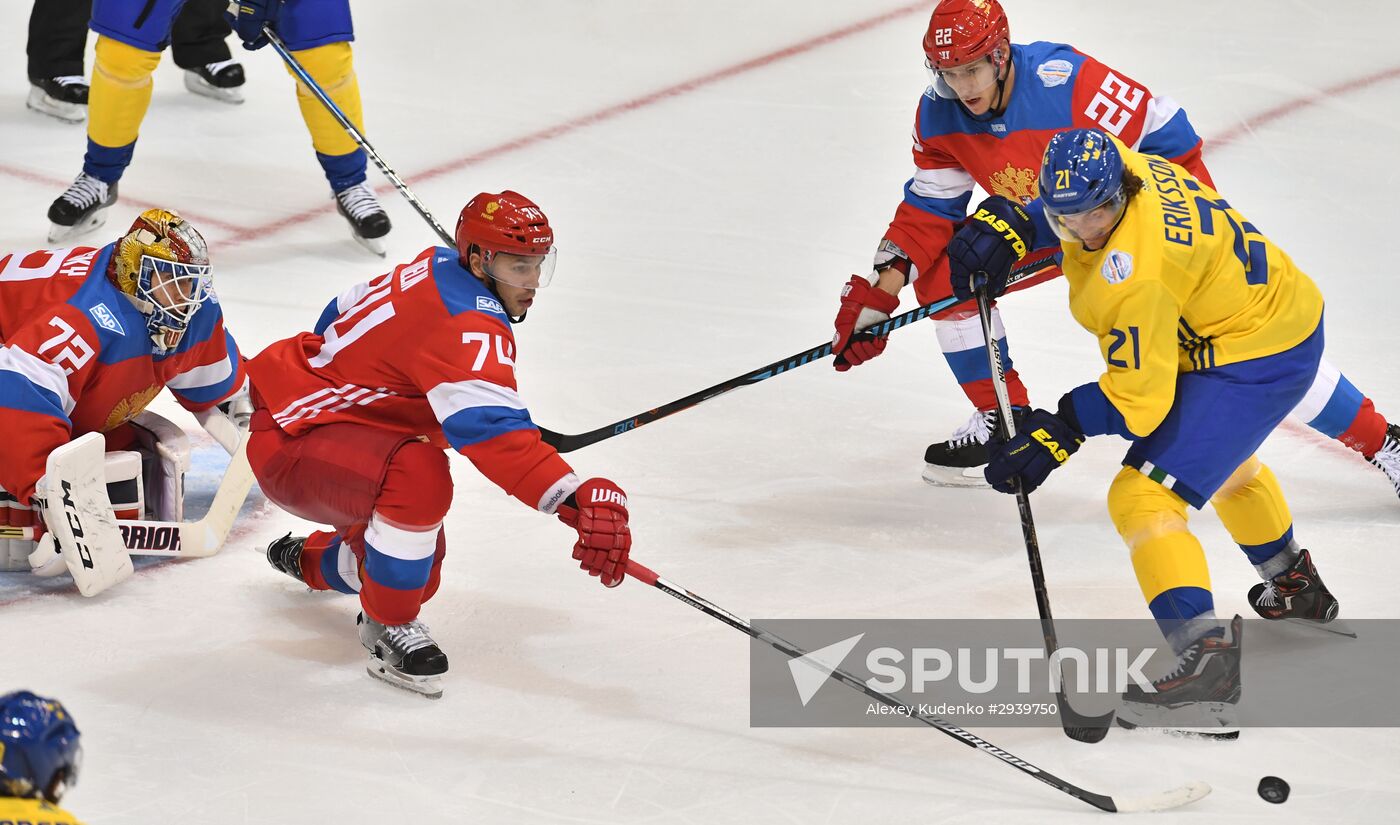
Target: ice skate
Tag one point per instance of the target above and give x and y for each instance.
(403, 655)
(62, 97)
(1387, 458)
(368, 220)
(1295, 594)
(958, 462)
(1200, 696)
(82, 208)
(284, 555)
(220, 81)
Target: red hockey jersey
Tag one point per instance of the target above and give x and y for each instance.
(75, 358)
(426, 350)
(1056, 88)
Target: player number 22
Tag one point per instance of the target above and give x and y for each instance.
(1114, 104)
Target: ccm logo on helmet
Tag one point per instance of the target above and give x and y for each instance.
(1005, 229)
(600, 496)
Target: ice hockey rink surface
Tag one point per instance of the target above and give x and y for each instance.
(714, 172)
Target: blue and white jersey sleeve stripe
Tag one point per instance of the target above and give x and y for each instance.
(474, 411)
(210, 382)
(31, 384)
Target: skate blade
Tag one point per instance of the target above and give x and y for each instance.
(1216, 734)
(204, 88)
(428, 686)
(966, 477)
(374, 245)
(59, 232)
(1330, 626)
(45, 105)
(1215, 720)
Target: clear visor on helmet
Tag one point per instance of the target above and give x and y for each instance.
(175, 292)
(520, 271)
(1090, 223)
(962, 81)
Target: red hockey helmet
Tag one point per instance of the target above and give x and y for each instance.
(962, 31)
(512, 224)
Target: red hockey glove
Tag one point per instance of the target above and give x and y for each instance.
(862, 305)
(598, 511)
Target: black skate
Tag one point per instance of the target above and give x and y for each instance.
(1387, 458)
(368, 220)
(285, 556)
(1200, 696)
(404, 655)
(65, 97)
(82, 208)
(220, 81)
(958, 462)
(1296, 593)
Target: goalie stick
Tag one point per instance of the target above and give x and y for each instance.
(568, 443)
(183, 539)
(1077, 726)
(1163, 801)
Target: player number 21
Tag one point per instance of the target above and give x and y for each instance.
(1119, 339)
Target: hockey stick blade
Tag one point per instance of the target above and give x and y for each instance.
(183, 539)
(566, 443)
(1167, 800)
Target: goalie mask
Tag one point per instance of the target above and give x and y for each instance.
(162, 265)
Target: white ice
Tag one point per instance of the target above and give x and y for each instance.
(701, 235)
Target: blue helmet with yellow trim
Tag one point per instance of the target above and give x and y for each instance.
(40, 753)
(1082, 170)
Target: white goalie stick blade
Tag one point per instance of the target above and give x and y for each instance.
(182, 539)
(1164, 801)
(80, 518)
(967, 477)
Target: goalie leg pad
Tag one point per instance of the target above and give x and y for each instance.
(80, 518)
(166, 448)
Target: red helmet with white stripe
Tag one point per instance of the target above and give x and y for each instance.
(962, 31)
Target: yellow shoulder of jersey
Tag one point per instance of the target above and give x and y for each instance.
(33, 812)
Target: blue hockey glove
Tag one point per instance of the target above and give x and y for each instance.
(252, 16)
(984, 249)
(1045, 442)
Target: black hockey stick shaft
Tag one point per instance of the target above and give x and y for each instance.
(570, 442)
(1180, 796)
(1077, 726)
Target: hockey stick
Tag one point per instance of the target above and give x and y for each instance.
(1077, 726)
(355, 135)
(568, 443)
(183, 539)
(1166, 800)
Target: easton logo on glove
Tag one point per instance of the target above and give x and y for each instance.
(1051, 445)
(1000, 225)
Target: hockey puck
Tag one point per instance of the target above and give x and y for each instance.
(1273, 789)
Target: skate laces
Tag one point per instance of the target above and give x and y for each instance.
(1387, 458)
(976, 431)
(70, 80)
(215, 68)
(358, 201)
(85, 191)
(1268, 597)
(406, 638)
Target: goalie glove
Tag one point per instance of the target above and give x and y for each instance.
(227, 421)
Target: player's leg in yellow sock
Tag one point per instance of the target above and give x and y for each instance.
(117, 103)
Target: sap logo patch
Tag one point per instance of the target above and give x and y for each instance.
(106, 319)
(1054, 72)
(489, 305)
(1117, 267)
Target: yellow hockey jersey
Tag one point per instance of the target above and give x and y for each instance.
(33, 812)
(1183, 283)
